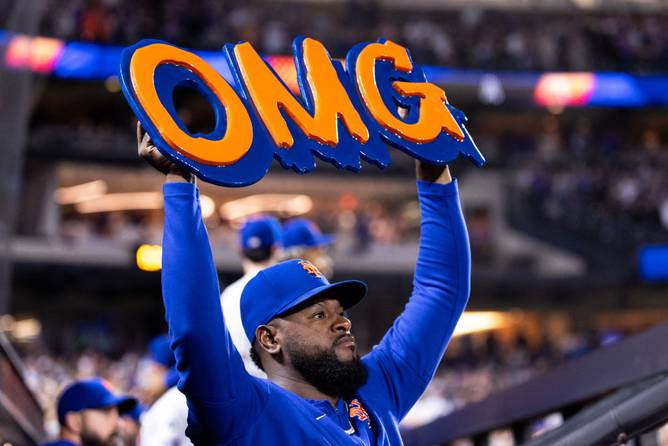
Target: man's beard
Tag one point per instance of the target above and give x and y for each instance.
(326, 372)
(89, 438)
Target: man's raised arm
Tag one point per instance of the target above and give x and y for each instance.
(407, 357)
(222, 397)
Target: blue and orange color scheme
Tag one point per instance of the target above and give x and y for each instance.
(356, 410)
(90, 61)
(310, 268)
(339, 116)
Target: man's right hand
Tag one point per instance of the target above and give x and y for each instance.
(150, 153)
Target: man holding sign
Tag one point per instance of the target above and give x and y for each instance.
(319, 390)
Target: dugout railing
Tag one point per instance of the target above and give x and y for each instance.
(630, 415)
(21, 416)
(612, 395)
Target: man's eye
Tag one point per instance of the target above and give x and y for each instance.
(319, 315)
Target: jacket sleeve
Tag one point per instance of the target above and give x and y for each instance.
(404, 362)
(222, 397)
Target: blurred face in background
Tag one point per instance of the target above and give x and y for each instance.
(151, 381)
(128, 430)
(97, 427)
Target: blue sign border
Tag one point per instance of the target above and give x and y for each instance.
(300, 157)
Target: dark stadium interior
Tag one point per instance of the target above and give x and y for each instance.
(558, 219)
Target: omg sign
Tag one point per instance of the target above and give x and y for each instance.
(341, 116)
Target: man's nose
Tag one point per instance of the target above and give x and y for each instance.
(343, 324)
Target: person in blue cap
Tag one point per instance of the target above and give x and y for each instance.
(165, 421)
(130, 424)
(159, 375)
(303, 239)
(88, 413)
(320, 390)
(261, 246)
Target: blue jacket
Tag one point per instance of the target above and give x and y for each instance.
(230, 407)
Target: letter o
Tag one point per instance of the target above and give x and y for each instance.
(239, 132)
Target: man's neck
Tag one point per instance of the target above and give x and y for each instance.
(67, 435)
(299, 386)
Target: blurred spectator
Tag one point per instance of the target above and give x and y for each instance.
(88, 413)
(469, 38)
(155, 377)
(261, 243)
(606, 187)
(165, 421)
(129, 426)
(473, 368)
(607, 195)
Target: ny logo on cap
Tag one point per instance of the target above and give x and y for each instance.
(107, 385)
(310, 268)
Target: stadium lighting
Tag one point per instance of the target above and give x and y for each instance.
(22, 330)
(149, 258)
(588, 4)
(477, 321)
(80, 193)
(282, 204)
(132, 201)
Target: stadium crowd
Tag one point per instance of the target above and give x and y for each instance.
(604, 187)
(475, 366)
(471, 38)
(375, 223)
(601, 189)
(611, 188)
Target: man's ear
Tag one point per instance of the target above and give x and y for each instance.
(73, 421)
(266, 336)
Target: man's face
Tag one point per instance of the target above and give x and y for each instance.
(99, 427)
(128, 430)
(151, 382)
(317, 342)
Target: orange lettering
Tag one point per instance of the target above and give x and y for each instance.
(434, 116)
(330, 99)
(239, 133)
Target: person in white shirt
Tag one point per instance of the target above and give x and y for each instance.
(261, 247)
(130, 424)
(165, 422)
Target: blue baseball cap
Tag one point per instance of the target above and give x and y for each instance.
(303, 232)
(136, 413)
(260, 232)
(91, 394)
(281, 287)
(159, 351)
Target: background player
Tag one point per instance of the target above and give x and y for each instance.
(261, 242)
(88, 413)
(129, 426)
(164, 423)
(302, 239)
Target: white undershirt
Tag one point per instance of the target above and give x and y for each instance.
(166, 421)
(230, 301)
